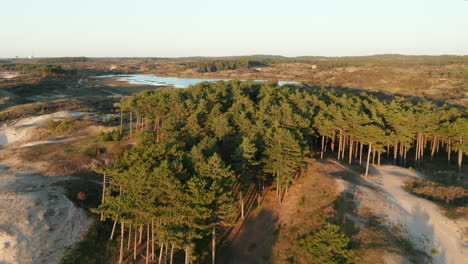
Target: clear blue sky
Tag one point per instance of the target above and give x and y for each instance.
(100, 28)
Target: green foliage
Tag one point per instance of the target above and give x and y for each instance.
(113, 135)
(221, 65)
(201, 145)
(64, 60)
(61, 126)
(326, 246)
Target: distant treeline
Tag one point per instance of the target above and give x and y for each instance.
(323, 63)
(64, 60)
(221, 65)
(47, 69)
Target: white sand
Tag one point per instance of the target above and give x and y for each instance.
(9, 75)
(22, 130)
(421, 219)
(37, 221)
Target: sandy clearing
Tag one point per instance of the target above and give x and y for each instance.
(421, 219)
(9, 75)
(37, 221)
(23, 130)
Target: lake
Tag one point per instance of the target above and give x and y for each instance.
(150, 79)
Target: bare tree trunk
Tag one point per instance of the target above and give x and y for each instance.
(121, 242)
(242, 203)
(147, 243)
(131, 126)
(340, 145)
(152, 239)
(460, 156)
(368, 158)
(213, 247)
(161, 249)
(395, 153)
(165, 254)
(121, 120)
(135, 243)
(350, 151)
(360, 154)
(187, 256)
(129, 236)
(141, 234)
(113, 230)
(378, 159)
(323, 146)
(172, 254)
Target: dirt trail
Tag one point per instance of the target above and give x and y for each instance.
(423, 220)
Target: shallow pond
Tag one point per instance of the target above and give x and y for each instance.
(150, 79)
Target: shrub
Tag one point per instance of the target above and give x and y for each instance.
(329, 245)
(436, 191)
(113, 135)
(61, 126)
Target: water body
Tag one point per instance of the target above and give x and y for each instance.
(150, 79)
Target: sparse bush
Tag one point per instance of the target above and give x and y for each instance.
(436, 191)
(61, 126)
(113, 135)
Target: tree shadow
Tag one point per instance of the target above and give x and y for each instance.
(254, 243)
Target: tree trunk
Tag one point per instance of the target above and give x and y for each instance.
(141, 235)
(165, 254)
(121, 120)
(152, 239)
(131, 126)
(213, 247)
(113, 230)
(360, 154)
(161, 249)
(460, 156)
(350, 151)
(395, 153)
(277, 188)
(340, 145)
(121, 242)
(187, 256)
(242, 203)
(378, 158)
(135, 243)
(129, 236)
(323, 146)
(172, 254)
(147, 243)
(368, 158)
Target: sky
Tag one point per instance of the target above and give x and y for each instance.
(178, 28)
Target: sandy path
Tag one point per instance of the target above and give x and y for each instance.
(421, 219)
